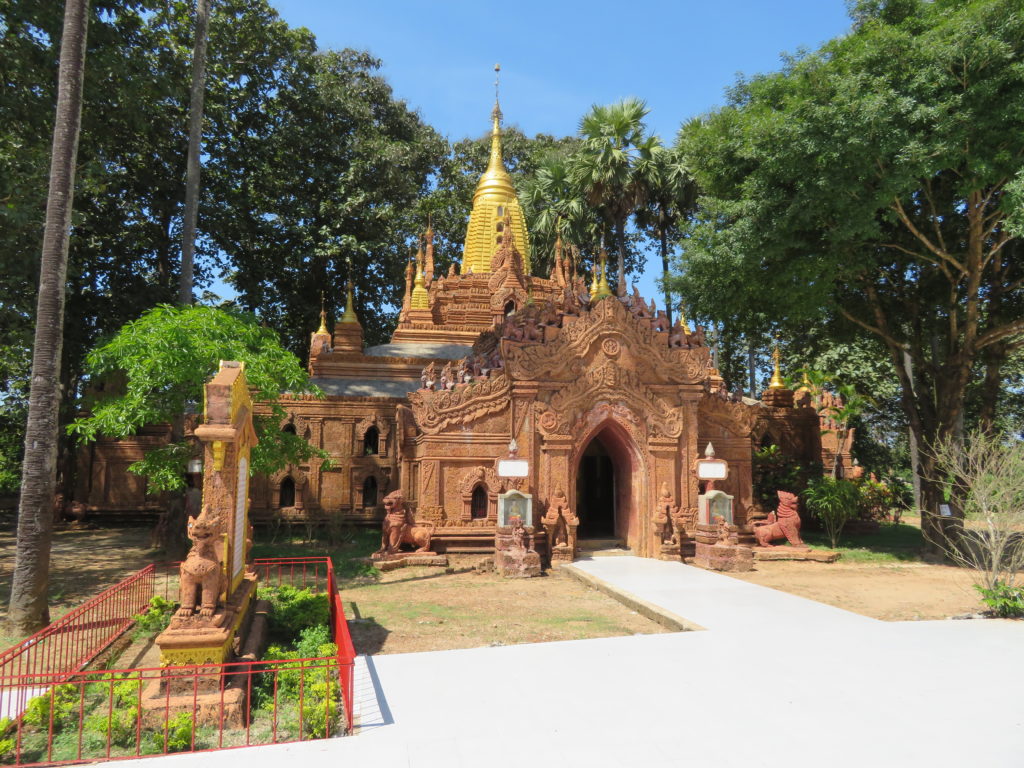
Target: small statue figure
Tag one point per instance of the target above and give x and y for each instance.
(463, 374)
(400, 528)
(665, 517)
(782, 524)
(451, 271)
(560, 525)
(429, 377)
(448, 376)
(724, 534)
(201, 577)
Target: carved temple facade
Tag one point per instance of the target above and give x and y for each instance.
(610, 405)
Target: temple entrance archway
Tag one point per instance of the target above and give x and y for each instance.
(595, 492)
(609, 486)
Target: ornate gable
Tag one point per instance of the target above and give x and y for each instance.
(608, 328)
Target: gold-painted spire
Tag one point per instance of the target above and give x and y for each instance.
(323, 317)
(603, 289)
(495, 197)
(420, 298)
(350, 308)
(682, 320)
(776, 380)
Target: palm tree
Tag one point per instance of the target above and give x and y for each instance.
(612, 165)
(28, 606)
(195, 138)
(554, 208)
(671, 194)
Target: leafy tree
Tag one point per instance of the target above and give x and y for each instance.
(28, 609)
(867, 183)
(671, 195)
(165, 359)
(316, 171)
(613, 165)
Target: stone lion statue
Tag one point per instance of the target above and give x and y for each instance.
(202, 579)
(782, 524)
(400, 528)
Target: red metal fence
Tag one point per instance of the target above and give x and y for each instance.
(71, 642)
(71, 715)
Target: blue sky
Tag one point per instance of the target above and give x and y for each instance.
(559, 58)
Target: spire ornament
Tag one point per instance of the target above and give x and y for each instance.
(776, 380)
(603, 289)
(323, 317)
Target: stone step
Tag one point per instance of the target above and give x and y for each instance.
(589, 545)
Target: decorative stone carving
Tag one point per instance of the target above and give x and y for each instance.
(434, 411)
(514, 555)
(782, 524)
(400, 528)
(202, 579)
(560, 525)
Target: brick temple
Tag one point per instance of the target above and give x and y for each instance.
(609, 404)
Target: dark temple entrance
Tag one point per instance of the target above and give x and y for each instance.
(595, 492)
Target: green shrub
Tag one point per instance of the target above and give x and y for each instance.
(177, 735)
(62, 700)
(155, 619)
(833, 502)
(293, 610)
(1005, 600)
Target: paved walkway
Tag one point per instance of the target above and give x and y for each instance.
(773, 680)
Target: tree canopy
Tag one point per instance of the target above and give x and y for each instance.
(155, 368)
(870, 183)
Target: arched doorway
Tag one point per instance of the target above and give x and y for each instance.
(608, 481)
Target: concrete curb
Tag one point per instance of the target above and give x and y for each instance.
(657, 614)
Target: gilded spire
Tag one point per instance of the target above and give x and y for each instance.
(323, 317)
(603, 289)
(350, 307)
(495, 197)
(682, 320)
(776, 380)
(420, 299)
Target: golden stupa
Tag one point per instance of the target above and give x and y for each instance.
(495, 197)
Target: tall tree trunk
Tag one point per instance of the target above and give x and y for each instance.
(751, 369)
(620, 237)
(662, 230)
(28, 607)
(195, 138)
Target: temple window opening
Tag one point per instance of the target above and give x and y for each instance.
(370, 442)
(478, 504)
(287, 495)
(289, 428)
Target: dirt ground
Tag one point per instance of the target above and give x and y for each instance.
(420, 609)
(83, 562)
(425, 609)
(891, 592)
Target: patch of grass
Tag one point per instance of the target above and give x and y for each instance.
(346, 556)
(894, 543)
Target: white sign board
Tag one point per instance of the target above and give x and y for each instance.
(513, 468)
(712, 470)
(945, 511)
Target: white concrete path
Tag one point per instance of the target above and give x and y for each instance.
(774, 680)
